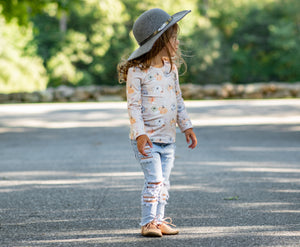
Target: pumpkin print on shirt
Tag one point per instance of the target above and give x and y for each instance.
(155, 103)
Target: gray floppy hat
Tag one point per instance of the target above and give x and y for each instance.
(150, 26)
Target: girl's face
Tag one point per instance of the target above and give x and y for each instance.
(172, 46)
(166, 46)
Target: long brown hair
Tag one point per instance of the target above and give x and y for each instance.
(144, 61)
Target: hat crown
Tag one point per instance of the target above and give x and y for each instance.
(148, 23)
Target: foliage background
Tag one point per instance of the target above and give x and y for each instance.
(80, 42)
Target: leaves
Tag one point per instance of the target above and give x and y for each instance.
(21, 68)
(50, 43)
(233, 198)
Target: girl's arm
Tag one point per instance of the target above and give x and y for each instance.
(183, 119)
(134, 102)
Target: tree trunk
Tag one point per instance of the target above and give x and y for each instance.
(63, 22)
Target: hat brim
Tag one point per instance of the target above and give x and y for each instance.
(143, 49)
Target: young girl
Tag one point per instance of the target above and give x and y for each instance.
(155, 105)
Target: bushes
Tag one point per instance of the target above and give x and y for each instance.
(21, 68)
(244, 42)
(81, 43)
(265, 45)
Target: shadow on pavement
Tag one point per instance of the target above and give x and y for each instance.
(81, 187)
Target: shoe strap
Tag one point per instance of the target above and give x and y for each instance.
(168, 222)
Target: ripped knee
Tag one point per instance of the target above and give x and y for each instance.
(164, 194)
(148, 151)
(151, 192)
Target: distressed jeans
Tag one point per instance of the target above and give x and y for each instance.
(157, 168)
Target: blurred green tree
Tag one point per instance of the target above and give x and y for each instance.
(21, 68)
(23, 10)
(263, 38)
(206, 54)
(81, 42)
(88, 51)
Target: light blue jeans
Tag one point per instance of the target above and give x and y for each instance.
(157, 168)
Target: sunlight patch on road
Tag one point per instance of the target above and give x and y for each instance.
(186, 233)
(266, 169)
(18, 117)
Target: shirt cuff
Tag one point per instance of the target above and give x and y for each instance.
(186, 125)
(136, 134)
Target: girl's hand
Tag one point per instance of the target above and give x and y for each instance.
(142, 141)
(190, 136)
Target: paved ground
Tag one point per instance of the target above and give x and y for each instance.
(68, 176)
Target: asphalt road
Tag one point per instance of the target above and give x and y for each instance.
(68, 176)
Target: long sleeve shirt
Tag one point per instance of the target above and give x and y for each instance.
(155, 103)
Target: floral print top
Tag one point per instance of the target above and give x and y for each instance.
(155, 103)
